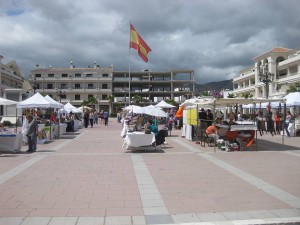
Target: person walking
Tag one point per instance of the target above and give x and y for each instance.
(91, 118)
(287, 122)
(86, 119)
(105, 116)
(32, 132)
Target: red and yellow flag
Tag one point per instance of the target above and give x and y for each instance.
(137, 42)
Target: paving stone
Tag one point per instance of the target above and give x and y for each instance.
(63, 221)
(11, 220)
(185, 218)
(208, 217)
(90, 221)
(159, 219)
(138, 220)
(117, 220)
(36, 221)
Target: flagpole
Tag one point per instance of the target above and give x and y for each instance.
(129, 77)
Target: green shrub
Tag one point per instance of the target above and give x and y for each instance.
(6, 123)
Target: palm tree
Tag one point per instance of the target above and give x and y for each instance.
(247, 95)
(293, 88)
(231, 95)
(92, 101)
(137, 99)
(110, 99)
(205, 93)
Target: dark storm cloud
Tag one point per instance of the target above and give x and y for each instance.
(216, 38)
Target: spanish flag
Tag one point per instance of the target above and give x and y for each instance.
(137, 42)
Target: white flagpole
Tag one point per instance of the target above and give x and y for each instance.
(129, 77)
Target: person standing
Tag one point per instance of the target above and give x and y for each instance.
(86, 119)
(105, 116)
(32, 132)
(287, 122)
(91, 118)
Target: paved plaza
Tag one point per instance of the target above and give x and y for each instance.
(85, 178)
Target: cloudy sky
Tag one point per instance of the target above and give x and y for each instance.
(216, 38)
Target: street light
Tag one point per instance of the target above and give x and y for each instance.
(60, 93)
(266, 77)
(34, 85)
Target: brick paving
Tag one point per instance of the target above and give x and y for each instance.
(86, 178)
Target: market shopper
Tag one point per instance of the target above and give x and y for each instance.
(32, 132)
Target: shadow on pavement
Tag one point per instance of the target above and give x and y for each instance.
(264, 145)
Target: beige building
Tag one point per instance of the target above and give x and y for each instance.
(153, 86)
(11, 86)
(283, 63)
(73, 84)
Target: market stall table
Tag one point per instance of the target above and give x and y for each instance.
(138, 139)
(242, 133)
(10, 142)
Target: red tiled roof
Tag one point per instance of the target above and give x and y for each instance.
(278, 49)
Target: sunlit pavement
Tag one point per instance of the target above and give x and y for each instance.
(86, 178)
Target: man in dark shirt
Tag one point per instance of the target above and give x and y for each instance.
(203, 119)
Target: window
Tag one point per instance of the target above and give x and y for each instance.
(90, 86)
(89, 75)
(63, 86)
(104, 86)
(77, 97)
(50, 75)
(104, 97)
(77, 75)
(63, 96)
(49, 86)
(90, 96)
(38, 75)
(105, 75)
(77, 86)
(64, 75)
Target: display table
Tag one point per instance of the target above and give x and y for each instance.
(77, 124)
(242, 133)
(138, 139)
(10, 142)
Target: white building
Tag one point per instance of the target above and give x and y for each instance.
(284, 63)
(74, 85)
(11, 86)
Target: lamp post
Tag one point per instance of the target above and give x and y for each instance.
(266, 77)
(298, 87)
(59, 93)
(34, 85)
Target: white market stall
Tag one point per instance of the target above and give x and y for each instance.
(38, 101)
(9, 141)
(190, 119)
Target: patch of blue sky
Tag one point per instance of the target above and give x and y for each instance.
(14, 12)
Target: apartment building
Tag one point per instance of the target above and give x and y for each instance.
(74, 84)
(282, 63)
(153, 86)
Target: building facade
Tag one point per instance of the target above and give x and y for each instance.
(11, 86)
(75, 85)
(283, 63)
(153, 86)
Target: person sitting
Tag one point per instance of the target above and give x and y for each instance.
(212, 132)
(149, 125)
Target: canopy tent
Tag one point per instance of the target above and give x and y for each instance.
(36, 101)
(226, 101)
(59, 105)
(157, 112)
(82, 108)
(134, 109)
(163, 104)
(70, 108)
(292, 99)
(4, 101)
